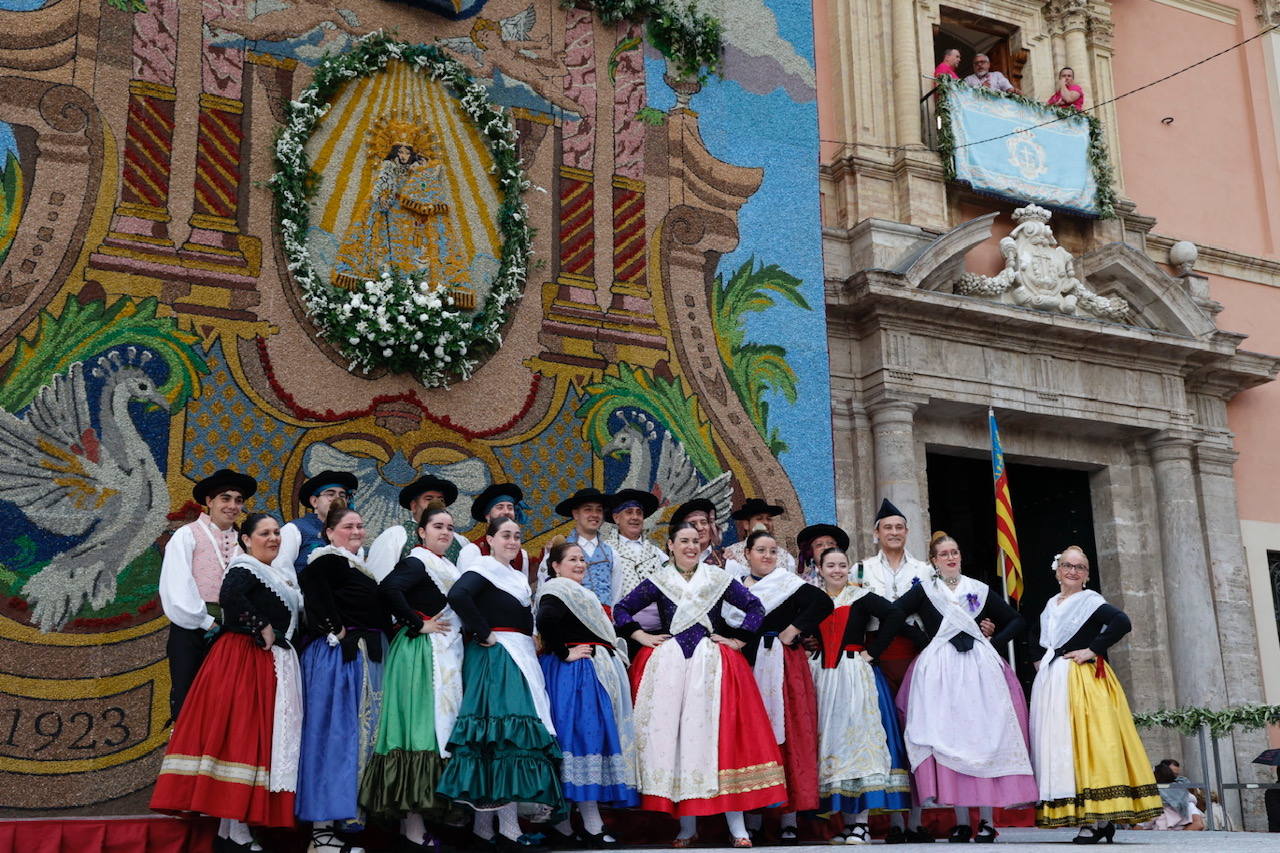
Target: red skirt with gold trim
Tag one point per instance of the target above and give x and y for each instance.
(749, 773)
(219, 758)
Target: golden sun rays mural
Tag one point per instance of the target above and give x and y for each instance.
(407, 186)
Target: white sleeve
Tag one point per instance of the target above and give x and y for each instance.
(469, 554)
(290, 542)
(384, 553)
(179, 595)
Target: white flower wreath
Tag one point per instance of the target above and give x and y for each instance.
(397, 322)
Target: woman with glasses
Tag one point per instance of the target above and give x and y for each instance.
(1091, 768)
(966, 719)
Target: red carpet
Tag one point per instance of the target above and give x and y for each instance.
(108, 835)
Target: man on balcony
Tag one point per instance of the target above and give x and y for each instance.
(984, 77)
(947, 67)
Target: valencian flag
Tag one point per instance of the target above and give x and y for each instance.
(1010, 563)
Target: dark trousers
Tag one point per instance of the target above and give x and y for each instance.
(186, 649)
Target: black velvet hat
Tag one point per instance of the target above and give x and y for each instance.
(583, 496)
(483, 502)
(813, 531)
(324, 480)
(648, 502)
(223, 480)
(888, 510)
(429, 483)
(756, 506)
(690, 507)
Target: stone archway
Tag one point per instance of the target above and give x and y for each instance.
(1140, 399)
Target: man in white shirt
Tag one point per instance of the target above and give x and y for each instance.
(586, 508)
(889, 574)
(395, 543)
(754, 514)
(303, 535)
(984, 77)
(195, 560)
(499, 500)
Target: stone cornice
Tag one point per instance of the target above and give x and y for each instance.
(1206, 9)
(1216, 261)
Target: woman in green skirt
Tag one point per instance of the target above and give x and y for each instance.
(421, 684)
(503, 745)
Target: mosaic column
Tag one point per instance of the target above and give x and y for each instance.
(141, 219)
(572, 296)
(215, 226)
(631, 306)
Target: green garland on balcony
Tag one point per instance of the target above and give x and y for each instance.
(1099, 158)
(1189, 720)
(694, 42)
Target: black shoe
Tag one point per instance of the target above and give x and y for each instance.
(788, 836)
(960, 834)
(600, 841)
(986, 833)
(557, 840)
(920, 835)
(475, 842)
(524, 844)
(1096, 835)
(895, 836)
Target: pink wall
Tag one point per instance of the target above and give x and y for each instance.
(1210, 176)
(1251, 309)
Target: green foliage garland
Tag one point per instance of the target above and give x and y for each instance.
(694, 42)
(664, 399)
(1189, 720)
(1099, 158)
(397, 322)
(754, 369)
(81, 331)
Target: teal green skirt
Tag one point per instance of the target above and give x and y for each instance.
(500, 751)
(401, 775)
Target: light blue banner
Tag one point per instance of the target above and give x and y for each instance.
(1048, 165)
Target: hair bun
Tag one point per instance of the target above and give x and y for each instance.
(938, 534)
(558, 539)
(436, 504)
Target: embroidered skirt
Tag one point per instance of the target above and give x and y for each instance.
(704, 742)
(500, 750)
(404, 769)
(1089, 762)
(594, 727)
(937, 783)
(800, 749)
(343, 699)
(858, 740)
(219, 759)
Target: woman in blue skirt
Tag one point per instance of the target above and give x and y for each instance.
(586, 677)
(862, 763)
(341, 679)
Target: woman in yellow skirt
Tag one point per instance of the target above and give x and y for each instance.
(1091, 767)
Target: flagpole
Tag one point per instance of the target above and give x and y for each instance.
(1004, 585)
(1001, 567)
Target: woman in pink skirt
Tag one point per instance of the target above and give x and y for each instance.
(965, 713)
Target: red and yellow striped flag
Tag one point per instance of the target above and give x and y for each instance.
(1010, 563)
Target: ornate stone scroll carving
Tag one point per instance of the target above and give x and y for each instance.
(1038, 273)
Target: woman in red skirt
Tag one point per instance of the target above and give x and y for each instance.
(700, 751)
(234, 750)
(793, 609)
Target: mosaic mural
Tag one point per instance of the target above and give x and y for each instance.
(669, 337)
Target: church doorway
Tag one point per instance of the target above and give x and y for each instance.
(1052, 508)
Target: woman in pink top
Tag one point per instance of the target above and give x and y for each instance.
(1068, 93)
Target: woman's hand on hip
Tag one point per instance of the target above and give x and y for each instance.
(644, 638)
(737, 645)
